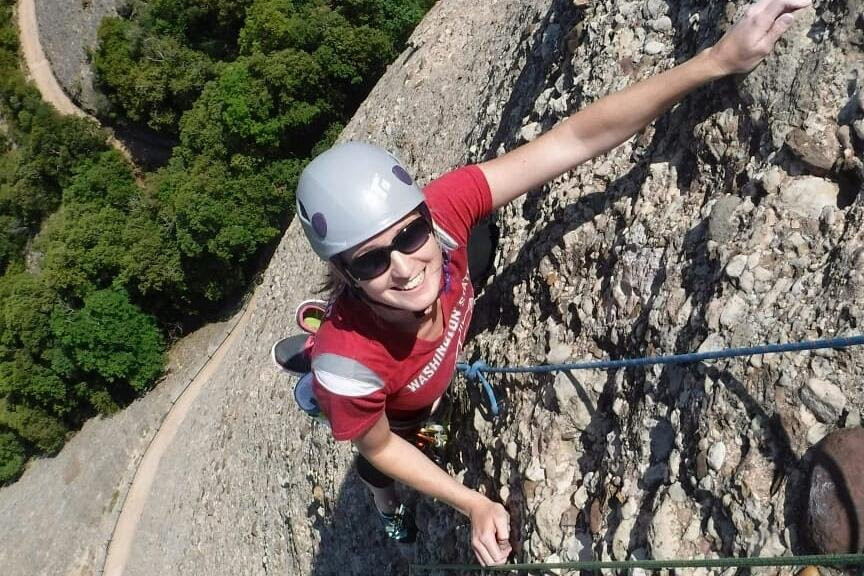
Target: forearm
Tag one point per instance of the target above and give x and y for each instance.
(594, 130)
(612, 120)
(402, 461)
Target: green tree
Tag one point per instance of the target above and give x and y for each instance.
(83, 249)
(26, 306)
(261, 106)
(103, 179)
(210, 26)
(107, 233)
(8, 36)
(12, 456)
(397, 18)
(222, 218)
(38, 428)
(28, 382)
(273, 25)
(152, 78)
(112, 340)
(45, 165)
(151, 266)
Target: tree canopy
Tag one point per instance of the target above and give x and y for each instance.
(98, 264)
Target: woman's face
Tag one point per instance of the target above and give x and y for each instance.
(412, 281)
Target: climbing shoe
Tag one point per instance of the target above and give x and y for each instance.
(400, 526)
(310, 314)
(291, 354)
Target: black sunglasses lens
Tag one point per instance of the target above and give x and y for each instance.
(412, 237)
(377, 261)
(371, 264)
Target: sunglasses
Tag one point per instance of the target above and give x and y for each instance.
(375, 262)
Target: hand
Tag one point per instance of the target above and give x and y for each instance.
(753, 37)
(490, 531)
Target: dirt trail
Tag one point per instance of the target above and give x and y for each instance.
(37, 63)
(139, 490)
(43, 77)
(127, 523)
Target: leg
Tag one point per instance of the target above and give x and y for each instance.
(397, 519)
(383, 487)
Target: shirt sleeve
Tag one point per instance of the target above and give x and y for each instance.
(352, 396)
(458, 200)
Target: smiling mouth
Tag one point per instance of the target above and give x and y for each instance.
(413, 282)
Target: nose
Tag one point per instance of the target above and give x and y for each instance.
(400, 266)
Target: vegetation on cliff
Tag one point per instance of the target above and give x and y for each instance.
(98, 269)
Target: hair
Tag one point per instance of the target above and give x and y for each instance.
(334, 282)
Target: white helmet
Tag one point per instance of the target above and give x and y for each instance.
(350, 193)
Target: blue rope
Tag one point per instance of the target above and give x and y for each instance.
(476, 370)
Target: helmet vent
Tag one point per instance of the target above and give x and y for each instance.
(402, 175)
(319, 224)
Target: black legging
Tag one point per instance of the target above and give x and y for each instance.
(370, 474)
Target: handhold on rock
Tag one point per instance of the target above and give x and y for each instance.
(819, 153)
(834, 520)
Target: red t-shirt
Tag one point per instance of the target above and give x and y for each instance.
(362, 369)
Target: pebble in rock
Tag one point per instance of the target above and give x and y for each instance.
(653, 47)
(824, 399)
(808, 195)
(834, 520)
(819, 153)
(717, 455)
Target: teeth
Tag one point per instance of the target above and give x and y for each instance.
(415, 281)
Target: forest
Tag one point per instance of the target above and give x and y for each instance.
(103, 267)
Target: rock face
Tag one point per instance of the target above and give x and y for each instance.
(835, 507)
(68, 31)
(712, 228)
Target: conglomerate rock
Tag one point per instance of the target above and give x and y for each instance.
(735, 219)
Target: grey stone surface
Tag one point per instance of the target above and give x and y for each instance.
(68, 29)
(613, 259)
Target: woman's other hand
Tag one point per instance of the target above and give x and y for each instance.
(753, 37)
(490, 531)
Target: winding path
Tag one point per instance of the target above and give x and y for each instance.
(38, 65)
(145, 473)
(133, 504)
(43, 77)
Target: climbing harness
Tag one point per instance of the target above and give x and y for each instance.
(432, 436)
(477, 370)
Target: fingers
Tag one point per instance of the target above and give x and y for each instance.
(483, 553)
(490, 550)
(491, 535)
(780, 26)
(777, 8)
(502, 526)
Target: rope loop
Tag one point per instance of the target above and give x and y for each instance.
(475, 370)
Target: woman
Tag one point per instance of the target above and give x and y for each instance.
(386, 351)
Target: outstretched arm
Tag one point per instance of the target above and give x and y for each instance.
(392, 455)
(612, 120)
